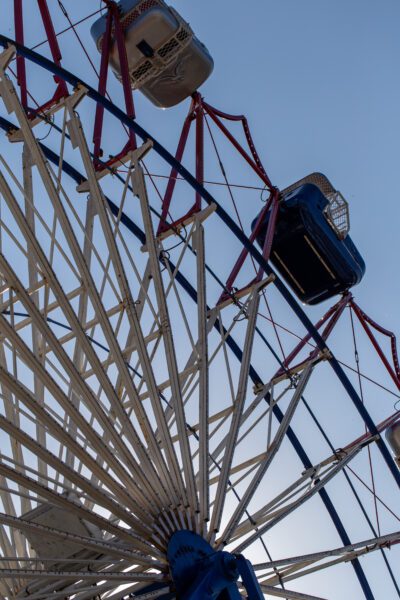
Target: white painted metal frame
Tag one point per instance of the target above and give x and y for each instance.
(121, 403)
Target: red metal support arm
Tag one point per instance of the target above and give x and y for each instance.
(123, 60)
(198, 110)
(19, 37)
(61, 90)
(191, 116)
(113, 27)
(199, 147)
(254, 161)
(211, 109)
(331, 316)
(365, 321)
(272, 205)
(50, 32)
(99, 116)
(269, 238)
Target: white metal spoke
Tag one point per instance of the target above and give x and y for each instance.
(79, 356)
(78, 255)
(366, 545)
(204, 495)
(311, 492)
(30, 359)
(288, 594)
(38, 342)
(89, 433)
(112, 576)
(275, 506)
(70, 506)
(99, 546)
(11, 412)
(76, 130)
(140, 190)
(272, 449)
(237, 415)
(100, 497)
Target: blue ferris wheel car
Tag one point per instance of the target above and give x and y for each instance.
(311, 247)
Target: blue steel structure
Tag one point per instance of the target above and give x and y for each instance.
(201, 573)
(219, 569)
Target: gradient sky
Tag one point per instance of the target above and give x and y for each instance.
(319, 83)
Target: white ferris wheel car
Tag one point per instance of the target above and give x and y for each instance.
(166, 61)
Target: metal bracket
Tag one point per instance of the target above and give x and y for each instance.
(254, 287)
(132, 156)
(79, 93)
(140, 153)
(6, 57)
(6, 87)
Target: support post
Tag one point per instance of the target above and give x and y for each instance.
(61, 90)
(272, 205)
(113, 27)
(332, 316)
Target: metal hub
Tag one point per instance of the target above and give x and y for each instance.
(198, 570)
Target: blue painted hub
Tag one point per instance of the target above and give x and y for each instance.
(198, 571)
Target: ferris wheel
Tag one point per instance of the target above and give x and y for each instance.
(173, 423)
